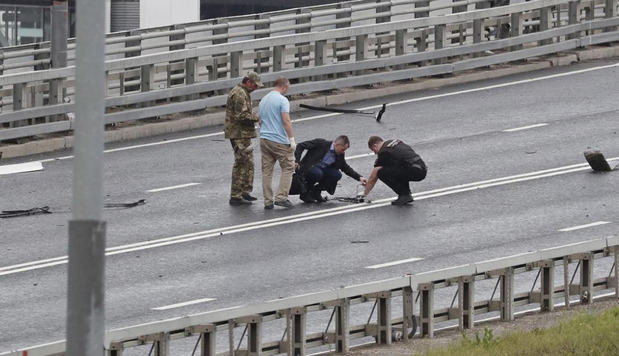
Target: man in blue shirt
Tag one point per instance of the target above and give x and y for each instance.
(276, 143)
(321, 166)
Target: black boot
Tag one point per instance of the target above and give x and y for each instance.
(403, 199)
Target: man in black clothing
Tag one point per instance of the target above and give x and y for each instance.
(396, 165)
(321, 166)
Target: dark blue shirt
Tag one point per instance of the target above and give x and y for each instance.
(329, 158)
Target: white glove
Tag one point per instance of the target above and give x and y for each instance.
(293, 145)
(249, 148)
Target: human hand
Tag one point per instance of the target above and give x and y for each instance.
(293, 144)
(363, 181)
(296, 165)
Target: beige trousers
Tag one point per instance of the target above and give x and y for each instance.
(276, 152)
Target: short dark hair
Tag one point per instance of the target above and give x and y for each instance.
(343, 139)
(374, 140)
(246, 80)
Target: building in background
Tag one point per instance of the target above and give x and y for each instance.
(29, 21)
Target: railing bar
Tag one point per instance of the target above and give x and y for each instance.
(495, 288)
(372, 313)
(242, 337)
(535, 281)
(152, 348)
(330, 320)
(611, 270)
(576, 270)
(197, 343)
(454, 298)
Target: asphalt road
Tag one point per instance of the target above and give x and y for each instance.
(460, 133)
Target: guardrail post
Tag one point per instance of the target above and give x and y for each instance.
(302, 54)
(279, 57)
(466, 302)
(547, 287)
(566, 281)
(379, 42)
(147, 77)
(573, 12)
(161, 343)
(610, 10)
(408, 302)
(400, 42)
(296, 332)
(19, 95)
(383, 330)
(516, 28)
(426, 313)
(361, 50)
(507, 295)
(235, 64)
(586, 278)
(191, 74)
(208, 339)
(336, 46)
(219, 60)
(616, 248)
(231, 346)
(342, 330)
(545, 18)
(461, 28)
(254, 336)
(262, 63)
(116, 349)
(478, 28)
(320, 56)
(439, 40)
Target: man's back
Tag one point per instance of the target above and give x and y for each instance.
(271, 108)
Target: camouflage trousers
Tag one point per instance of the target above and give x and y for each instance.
(243, 169)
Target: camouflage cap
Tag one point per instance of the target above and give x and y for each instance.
(255, 77)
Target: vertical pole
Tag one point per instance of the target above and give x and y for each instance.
(573, 15)
(467, 302)
(478, 28)
(254, 337)
(85, 302)
(617, 271)
(379, 41)
(507, 295)
(547, 286)
(426, 310)
(320, 56)
(383, 332)
(296, 332)
(162, 345)
(191, 74)
(236, 59)
(231, 325)
(586, 279)
(279, 58)
(439, 40)
(545, 18)
(60, 33)
(516, 28)
(408, 311)
(342, 331)
(566, 281)
(361, 50)
(208, 342)
(262, 63)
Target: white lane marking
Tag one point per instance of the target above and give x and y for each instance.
(172, 187)
(183, 304)
(21, 168)
(526, 127)
(394, 263)
(365, 108)
(579, 227)
(201, 235)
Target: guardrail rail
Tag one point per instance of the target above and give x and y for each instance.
(382, 325)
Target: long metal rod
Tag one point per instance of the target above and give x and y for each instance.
(85, 302)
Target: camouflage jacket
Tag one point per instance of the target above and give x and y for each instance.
(240, 118)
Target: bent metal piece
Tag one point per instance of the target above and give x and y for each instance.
(27, 212)
(377, 115)
(597, 161)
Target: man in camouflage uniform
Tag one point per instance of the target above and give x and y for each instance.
(240, 129)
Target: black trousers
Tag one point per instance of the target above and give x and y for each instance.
(397, 178)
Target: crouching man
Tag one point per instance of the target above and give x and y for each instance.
(321, 165)
(396, 165)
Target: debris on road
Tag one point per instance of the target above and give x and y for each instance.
(125, 205)
(15, 213)
(597, 161)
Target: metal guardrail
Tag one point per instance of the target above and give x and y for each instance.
(221, 30)
(192, 79)
(385, 328)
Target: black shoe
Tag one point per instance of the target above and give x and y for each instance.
(284, 204)
(306, 197)
(317, 196)
(239, 201)
(248, 197)
(403, 200)
(268, 206)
